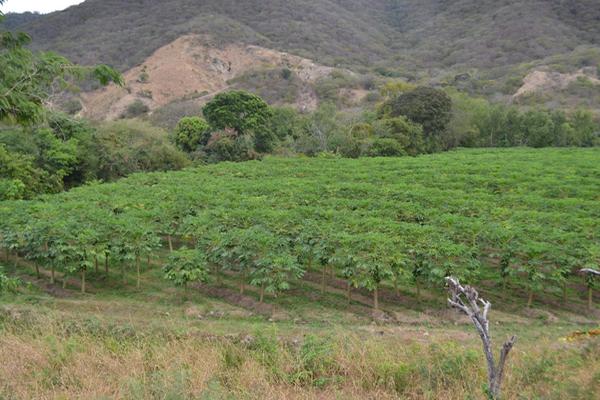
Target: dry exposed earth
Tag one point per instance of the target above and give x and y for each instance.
(192, 67)
(540, 80)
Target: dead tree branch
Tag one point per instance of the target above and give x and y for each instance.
(590, 271)
(466, 299)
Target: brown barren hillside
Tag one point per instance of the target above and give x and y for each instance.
(193, 67)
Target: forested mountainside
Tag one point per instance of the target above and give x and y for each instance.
(396, 36)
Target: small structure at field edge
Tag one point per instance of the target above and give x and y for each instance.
(466, 299)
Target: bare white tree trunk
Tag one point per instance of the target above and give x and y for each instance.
(466, 299)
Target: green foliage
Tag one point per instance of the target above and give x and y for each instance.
(21, 179)
(376, 221)
(26, 78)
(125, 147)
(238, 110)
(227, 145)
(8, 284)
(408, 135)
(431, 108)
(191, 133)
(185, 266)
(285, 123)
(386, 147)
(315, 364)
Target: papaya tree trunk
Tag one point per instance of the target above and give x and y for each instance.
(262, 293)
(137, 268)
(348, 292)
(106, 265)
(123, 274)
(6, 254)
(219, 277)
(83, 281)
(148, 260)
(376, 298)
(242, 286)
(96, 263)
(64, 281)
(323, 279)
(396, 288)
(530, 298)
(170, 240)
(52, 274)
(590, 297)
(418, 289)
(564, 292)
(37, 270)
(16, 259)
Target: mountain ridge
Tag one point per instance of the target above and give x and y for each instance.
(486, 48)
(427, 33)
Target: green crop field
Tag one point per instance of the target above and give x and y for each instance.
(306, 278)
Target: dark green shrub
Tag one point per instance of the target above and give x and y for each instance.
(386, 147)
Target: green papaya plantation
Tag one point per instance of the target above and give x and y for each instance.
(523, 218)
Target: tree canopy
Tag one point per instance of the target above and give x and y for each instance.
(239, 110)
(28, 79)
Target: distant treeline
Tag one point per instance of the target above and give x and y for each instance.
(66, 151)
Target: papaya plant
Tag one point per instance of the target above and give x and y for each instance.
(185, 266)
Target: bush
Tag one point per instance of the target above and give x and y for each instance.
(285, 122)
(431, 108)
(135, 109)
(7, 284)
(386, 147)
(227, 145)
(125, 147)
(286, 73)
(408, 135)
(191, 133)
(72, 106)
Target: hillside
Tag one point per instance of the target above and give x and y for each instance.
(484, 47)
(431, 33)
(193, 69)
(417, 33)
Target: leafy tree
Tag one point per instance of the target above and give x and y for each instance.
(347, 264)
(373, 262)
(537, 128)
(285, 122)
(128, 146)
(431, 108)
(586, 132)
(26, 78)
(21, 179)
(185, 266)
(191, 133)
(268, 260)
(408, 134)
(532, 268)
(241, 111)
